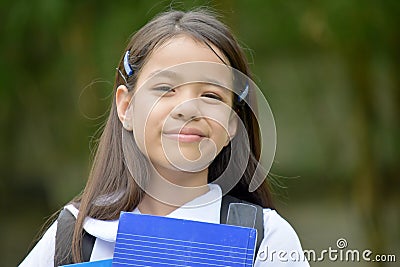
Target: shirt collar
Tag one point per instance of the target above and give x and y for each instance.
(205, 208)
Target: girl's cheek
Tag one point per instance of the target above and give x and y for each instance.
(140, 117)
(217, 114)
(148, 119)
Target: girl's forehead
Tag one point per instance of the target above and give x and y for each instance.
(179, 50)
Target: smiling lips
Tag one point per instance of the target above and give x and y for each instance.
(186, 135)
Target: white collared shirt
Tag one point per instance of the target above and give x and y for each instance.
(280, 246)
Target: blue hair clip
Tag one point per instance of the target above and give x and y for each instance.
(127, 66)
(245, 92)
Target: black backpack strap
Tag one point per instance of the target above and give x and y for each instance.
(63, 245)
(259, 223)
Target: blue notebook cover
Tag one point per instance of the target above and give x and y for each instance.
(146, 240)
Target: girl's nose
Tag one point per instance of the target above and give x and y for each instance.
(188, 110)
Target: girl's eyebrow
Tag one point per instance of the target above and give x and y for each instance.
(163, 73)
(214, 82)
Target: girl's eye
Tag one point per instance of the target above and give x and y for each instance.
(212, 96)
(164, 89)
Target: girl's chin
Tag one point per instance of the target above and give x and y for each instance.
(179, 165)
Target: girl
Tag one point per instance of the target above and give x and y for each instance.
(178, 124)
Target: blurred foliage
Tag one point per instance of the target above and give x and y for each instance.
(330, 70)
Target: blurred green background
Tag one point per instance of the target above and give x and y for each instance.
(329, 69)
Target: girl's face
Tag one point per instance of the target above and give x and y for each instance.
(181, 123)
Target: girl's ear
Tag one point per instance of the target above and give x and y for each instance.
(232, 127)
(122, 99)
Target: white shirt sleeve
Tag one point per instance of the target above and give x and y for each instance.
(42, 255)
(280, 246)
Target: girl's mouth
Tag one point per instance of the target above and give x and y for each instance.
(186, 135)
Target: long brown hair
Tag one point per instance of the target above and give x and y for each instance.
(109, 174)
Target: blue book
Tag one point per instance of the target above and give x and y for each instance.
(146, 240)
(102, 263)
